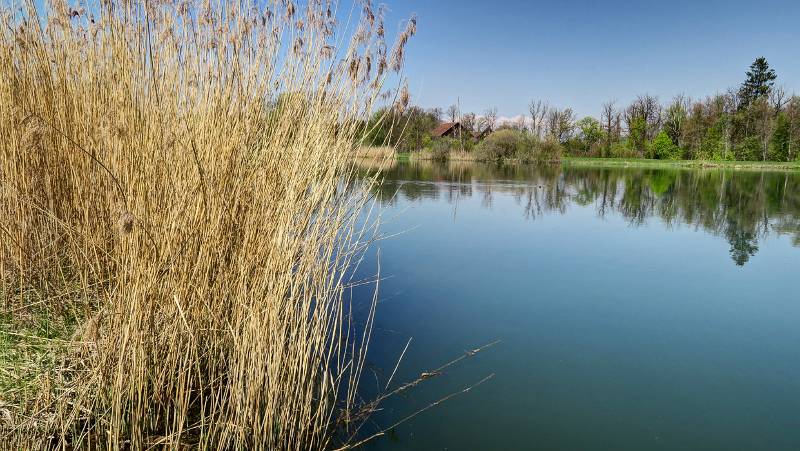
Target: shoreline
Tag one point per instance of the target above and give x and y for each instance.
(690, 164)
(629, 162)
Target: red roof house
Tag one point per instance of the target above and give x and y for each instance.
(447, 129)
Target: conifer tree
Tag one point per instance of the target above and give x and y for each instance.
(760, 79)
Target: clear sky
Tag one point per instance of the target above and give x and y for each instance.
(581, 53)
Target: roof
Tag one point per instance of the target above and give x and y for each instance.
(443, 128)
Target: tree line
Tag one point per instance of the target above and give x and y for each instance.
(757, 121)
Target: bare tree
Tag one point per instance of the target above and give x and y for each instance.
(643, 121)
(490, 118)
(566, 126)
(733, 98)
(538, 111)
(561, 124)
(452, 113)
(520, 123)
(609, 119)
(778, 98)
(437, 113)
(763, 115)
(648, 108)
(469, 121)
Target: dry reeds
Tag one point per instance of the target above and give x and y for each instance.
(177, 173)
(375, 152)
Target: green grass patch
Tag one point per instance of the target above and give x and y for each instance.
(33, 344)
(638, 162)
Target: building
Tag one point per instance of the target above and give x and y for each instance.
(448, 130)
(454, 130)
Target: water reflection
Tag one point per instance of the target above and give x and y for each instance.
(741, 206)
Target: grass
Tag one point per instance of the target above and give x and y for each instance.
(637, 162)
(174, 174)
(28, 350)
(32, 370)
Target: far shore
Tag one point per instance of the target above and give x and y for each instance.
(386, 153)
(635, 162)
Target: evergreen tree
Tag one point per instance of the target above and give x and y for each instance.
(760, 79)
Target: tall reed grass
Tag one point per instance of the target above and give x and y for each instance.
(177, 176)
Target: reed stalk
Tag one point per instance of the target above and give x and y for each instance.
(176, 177)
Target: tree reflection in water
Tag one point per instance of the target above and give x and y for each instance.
(742, 206)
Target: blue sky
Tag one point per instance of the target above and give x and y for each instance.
(582, 53)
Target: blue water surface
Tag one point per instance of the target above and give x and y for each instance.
(635, 308)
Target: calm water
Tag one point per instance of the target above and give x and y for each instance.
(638, 309)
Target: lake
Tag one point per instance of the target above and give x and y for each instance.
(635, 308)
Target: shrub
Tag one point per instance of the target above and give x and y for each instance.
(427, 141)
(466, 145)
(663, 148)
(749, 149)
(514, 144)
(545, 151)
(621, 149)
(550, 149)
(499, 145)
(440, 148)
